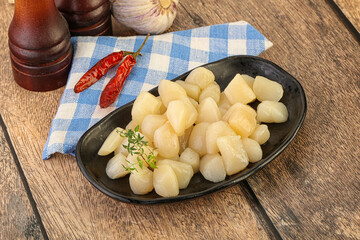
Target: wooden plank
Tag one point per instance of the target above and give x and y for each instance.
(18, 220)
(351, 9)
(72, 209)
(310, 191)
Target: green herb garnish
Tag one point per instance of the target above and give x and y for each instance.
(137, 146)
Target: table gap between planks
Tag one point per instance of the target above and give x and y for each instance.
(350, 9)
(309, 191)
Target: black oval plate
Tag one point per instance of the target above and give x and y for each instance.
(93, 166)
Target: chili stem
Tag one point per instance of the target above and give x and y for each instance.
(142, 45)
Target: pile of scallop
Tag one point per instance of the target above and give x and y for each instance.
(192, 126)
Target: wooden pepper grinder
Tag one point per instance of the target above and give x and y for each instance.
(40, 47)
(86, 17)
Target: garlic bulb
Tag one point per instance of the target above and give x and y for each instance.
(145, 16)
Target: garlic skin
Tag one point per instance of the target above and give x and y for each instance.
(145, 16)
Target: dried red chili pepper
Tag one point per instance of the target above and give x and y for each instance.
(113, 88)
(99, 70)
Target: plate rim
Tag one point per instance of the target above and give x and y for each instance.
(217, 186)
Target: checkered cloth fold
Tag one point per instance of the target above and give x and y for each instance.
(163, 57)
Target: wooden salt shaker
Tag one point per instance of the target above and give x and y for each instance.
(40, 47)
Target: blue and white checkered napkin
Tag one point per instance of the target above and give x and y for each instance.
(163, 57)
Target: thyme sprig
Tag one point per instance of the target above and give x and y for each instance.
(139, 147)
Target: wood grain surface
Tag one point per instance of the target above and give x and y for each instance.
(351, 9)
(311, 191)
(17, 220)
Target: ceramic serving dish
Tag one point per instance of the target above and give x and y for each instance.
(93, 166)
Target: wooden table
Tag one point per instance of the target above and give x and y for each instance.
(311, 191)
